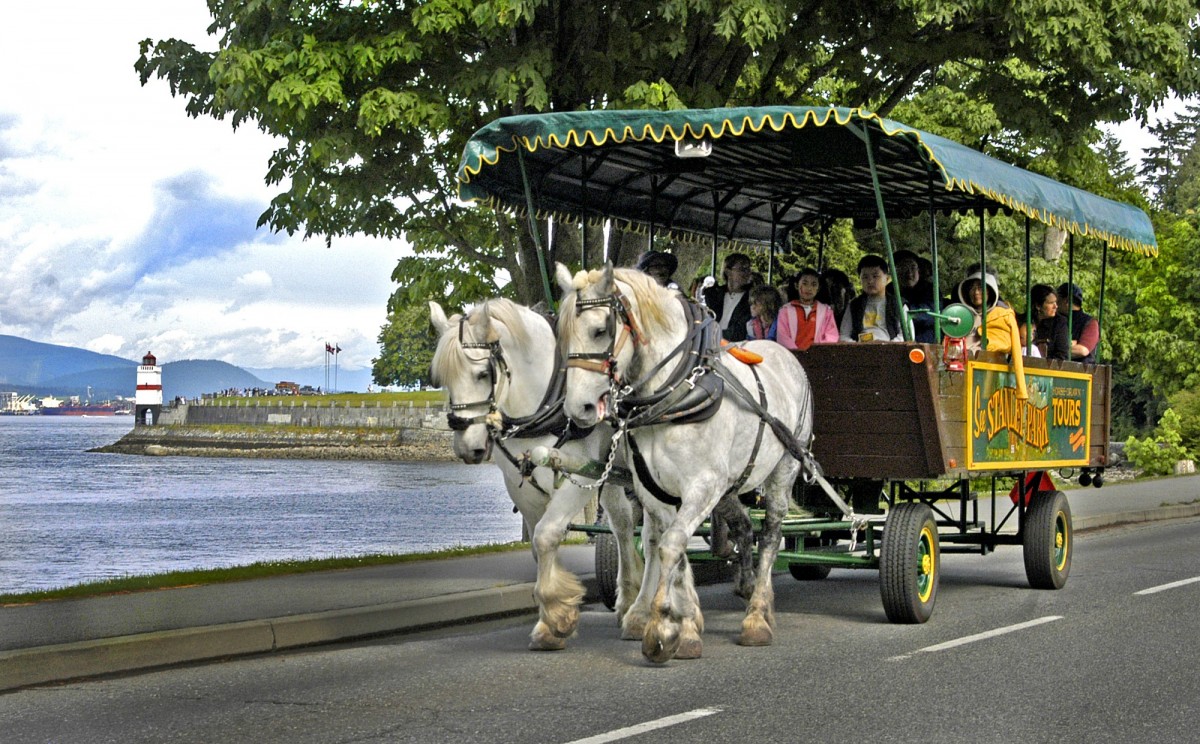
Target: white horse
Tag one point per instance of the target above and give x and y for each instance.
(499, 364)
(620, 330)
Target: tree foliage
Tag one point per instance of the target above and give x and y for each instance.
(1157, 454)
(406, 345)
(373, 101)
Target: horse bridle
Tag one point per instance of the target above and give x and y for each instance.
(495, 363)
(605, 362)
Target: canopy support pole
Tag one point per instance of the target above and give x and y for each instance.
(1071, 292)
(533, 231)
(583, 182)
(905, 328)
(1028, 297)
(1100, 308)
(715, 232)
(983, 288)
(771, 254)
(933, 257)
(653, 211)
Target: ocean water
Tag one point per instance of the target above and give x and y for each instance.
(68, 515)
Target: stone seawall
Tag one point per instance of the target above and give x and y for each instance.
(294, 431)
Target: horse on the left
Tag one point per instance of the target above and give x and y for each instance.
(502, 371)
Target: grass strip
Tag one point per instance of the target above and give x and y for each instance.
(261, 570)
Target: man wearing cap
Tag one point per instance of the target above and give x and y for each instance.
(659, 265)
(1085, 331)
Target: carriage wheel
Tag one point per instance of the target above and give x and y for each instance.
(909, 563)
(607, 564)
(803, 572)
(1047, 540)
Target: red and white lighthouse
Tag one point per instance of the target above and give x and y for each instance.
(149, 391)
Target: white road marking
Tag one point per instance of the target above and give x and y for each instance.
(641, 728)
(978, 637)
(1172, 585)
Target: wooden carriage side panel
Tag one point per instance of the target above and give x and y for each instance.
(874, 411)
(1101, 415)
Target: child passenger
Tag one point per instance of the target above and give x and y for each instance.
(805, 320)
(764, 306)
(874, 315)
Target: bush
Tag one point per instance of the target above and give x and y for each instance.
(1158, 454)
(1187, 404)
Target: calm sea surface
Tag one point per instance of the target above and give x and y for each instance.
(68, 515)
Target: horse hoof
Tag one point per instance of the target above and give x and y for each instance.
(659, 647)
(691, 648)
(547, 643)
(632, 628)
(756, 636)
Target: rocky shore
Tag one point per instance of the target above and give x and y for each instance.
(286, 442)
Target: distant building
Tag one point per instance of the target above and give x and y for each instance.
(148, 401)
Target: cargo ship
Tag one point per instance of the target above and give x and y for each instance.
(56, 407)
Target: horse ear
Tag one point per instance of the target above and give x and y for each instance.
(562, 275)
(606, 283)
(438, 317)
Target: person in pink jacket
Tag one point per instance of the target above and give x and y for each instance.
(806, 321)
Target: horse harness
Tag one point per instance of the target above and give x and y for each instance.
(548, 418)
(689, 395)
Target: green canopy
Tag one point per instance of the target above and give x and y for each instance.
(770, 169)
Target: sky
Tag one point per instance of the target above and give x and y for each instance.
(127, 227)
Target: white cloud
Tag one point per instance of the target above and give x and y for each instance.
(125, 225)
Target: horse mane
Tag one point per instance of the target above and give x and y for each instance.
(652, 300)
(450, 358)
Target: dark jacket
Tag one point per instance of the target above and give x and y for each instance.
(1050, 336)
(920, 297)
(714, 297)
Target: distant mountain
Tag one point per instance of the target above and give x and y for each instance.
(348, 381)
(32, 368)
(25, 363)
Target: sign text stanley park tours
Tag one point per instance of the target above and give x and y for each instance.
(1052, 428)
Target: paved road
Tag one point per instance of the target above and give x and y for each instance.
(1096, 661)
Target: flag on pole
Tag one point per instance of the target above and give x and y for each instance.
(337, 350)
(328, 349)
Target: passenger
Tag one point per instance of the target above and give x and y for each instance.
(1050, 329)
(1002, 332)
(836, 291)
(764, 307)
(806, 320)
(1031, 351)
(1085, 331)
(730, 301)
(875, 314)
(917, 292)
(659, 265)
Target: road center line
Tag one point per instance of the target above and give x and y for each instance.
(979, 637)
(641, 728)
(1172, 585)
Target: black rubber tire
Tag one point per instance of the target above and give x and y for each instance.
(1048, 540)
(909, 563)
(607, 563)
(802, 572)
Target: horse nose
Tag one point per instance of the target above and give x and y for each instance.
(478, 455)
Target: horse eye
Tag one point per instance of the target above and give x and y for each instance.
(599, 332)
(481, 375)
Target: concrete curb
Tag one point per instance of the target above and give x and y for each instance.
(62, 662)
(1176, 511)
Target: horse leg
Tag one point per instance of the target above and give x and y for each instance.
(623, 514)
(635, 619)
(558, 591)
(742, 531)
(675, 601)
(759, 623)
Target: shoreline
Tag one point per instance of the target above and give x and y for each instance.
(315, 443)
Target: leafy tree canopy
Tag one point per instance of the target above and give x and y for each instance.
(374, 100)
(406, 348)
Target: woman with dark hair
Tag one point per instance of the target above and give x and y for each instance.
(1050, 333)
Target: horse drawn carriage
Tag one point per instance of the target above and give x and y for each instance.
(884, 437)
